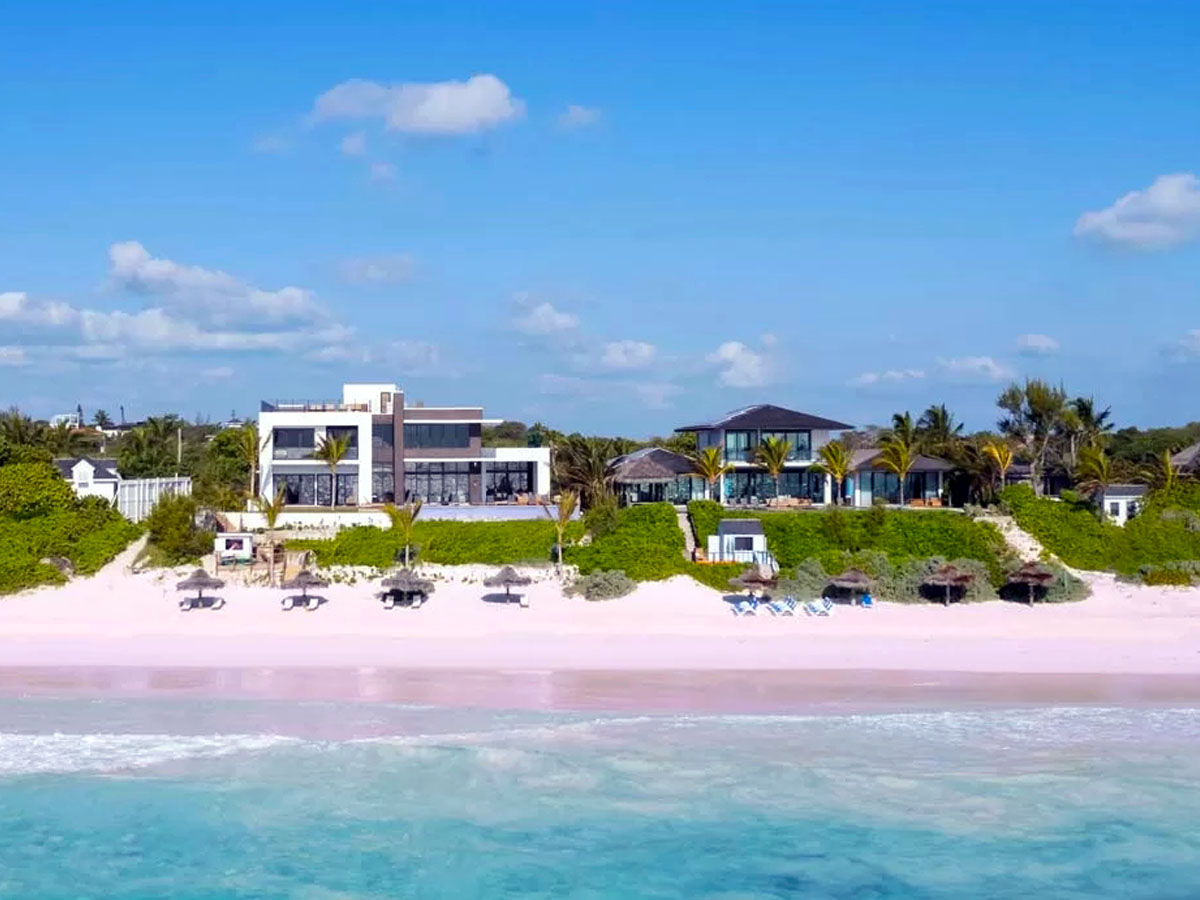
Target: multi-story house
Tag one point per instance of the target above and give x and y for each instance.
(396, 453)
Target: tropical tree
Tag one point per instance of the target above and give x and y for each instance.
(18, 429)
(1034, 412)
(1163, 475)
(568, 501)
(1095, 471)
(583, 465)
(904, 428)
(332, 451)
(898, 456)
(833, 459)
(248, 449)
(1000, 455)
(145, 453)
(102, 419)
(271, 511)
(404, 519)
(772, 454)
(1082, 425)
(64, 439)
(711, 466)
(937, 432)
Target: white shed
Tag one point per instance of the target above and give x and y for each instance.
(738, 540)
(1121, 502)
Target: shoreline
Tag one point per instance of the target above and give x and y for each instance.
(701, 692)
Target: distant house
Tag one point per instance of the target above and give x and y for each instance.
(133, 497)
(869, 481)
(1188, 459)
(91, 477)
(70, 420)
(655, 475)
(1121, 502)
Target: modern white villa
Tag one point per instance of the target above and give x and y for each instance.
(655, 474)
(396, 453)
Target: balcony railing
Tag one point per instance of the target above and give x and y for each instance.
(312, 406)
(293, 452)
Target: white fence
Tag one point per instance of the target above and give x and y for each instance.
(137, 496)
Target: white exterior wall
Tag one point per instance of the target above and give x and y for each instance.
(137, 496)
(319, 421)
(83, 481)
(721, 548)
(1119, 509)
(369, 394)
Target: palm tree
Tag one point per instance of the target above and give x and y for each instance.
(904, 429)
(772, 454)
(898, 456)
(834, 461)
(18, 428)
(1095, 471)
(64, 440)
(1000, 454)
(567, 502)
(1034, 413)
(404, 520)
(937, 432)
(102, 419)
(271, 510)
(582, 465)
(143, 453)
(709, 465)
(332, 451)
(248, 450)
(1163, 475)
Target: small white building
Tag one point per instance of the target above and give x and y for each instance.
(91, 477)
(1121, 502)
(133, 497)
(739, 541)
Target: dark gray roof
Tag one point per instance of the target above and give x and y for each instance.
(106, 469)
(768, 417)
(1125, 490)
(650, 464)
(868, 458)
(739, 526)
(1188, 458)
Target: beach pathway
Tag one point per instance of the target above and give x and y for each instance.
(689, 539)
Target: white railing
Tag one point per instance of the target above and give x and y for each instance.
(137, 496)
(747, 557)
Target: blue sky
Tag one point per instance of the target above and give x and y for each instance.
(611, 216)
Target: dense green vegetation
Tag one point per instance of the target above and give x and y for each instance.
(444, 542)
(174, 538)
(1166, 532)
(47, 521)
(899, 535)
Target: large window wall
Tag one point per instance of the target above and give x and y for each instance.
(683, 489)
(300, 489)
(739, 445)
(293, 443)
(504, 480)
(754, 486)
(383, 474)
(436, 482)
(800, 441)
(434, 436)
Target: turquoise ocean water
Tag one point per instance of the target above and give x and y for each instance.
(192, 799)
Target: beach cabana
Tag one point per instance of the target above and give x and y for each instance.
(304, 582)
(200, 581)
(949, 577)
(853, 581)
(405, 588)
(1033, 575)
(509, 578)
(755, 578)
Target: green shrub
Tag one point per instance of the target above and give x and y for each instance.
(444, 542)
(646, 545)
(33, 489)
(173, 531)
(12, 454)
(1170, 575)
(89, 534)
(601, 519)
(713, 575)
(602, 586)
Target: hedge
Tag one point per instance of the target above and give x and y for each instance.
(445, 542)
(646, 545)
(902, 535)
(89, 534)
(1166, 531)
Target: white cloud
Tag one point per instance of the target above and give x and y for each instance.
(627, 355)
(13, 356)
(888, 376)
(15, 306)
(386, 268)
(1163, 215)
(354, 144)
(1037, 344)
(576, 116)
(200, 292)
(741, 366)
(443, 107)
(976, 368)
(381, 171)
(271, 143)
(542, 318)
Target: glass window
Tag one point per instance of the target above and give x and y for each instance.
(739, 445)
(743, 543)
(334, 432)
(293, 443)
(383, 440)
(437, 482)
(504, 480)
(383, 484)
(437, 435)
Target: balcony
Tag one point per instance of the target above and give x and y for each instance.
(293, 452)
(312, 406)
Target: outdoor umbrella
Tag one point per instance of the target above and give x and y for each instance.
(949, 576)
(1033, 575)
(199, 581)
(406, 582)
(856, 581)
(507, 578)
(755, 578)
(304, 582)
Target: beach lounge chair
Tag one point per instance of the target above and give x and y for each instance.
(785, 607)
(746, 607)
(868, 601)
(818, 607)
(827, 605)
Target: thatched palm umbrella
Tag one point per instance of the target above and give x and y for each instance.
(200, 581)
(856, 581)
(949, 576)
(303, 582)
(405, 584)
(755, 578)
(508, 578)
(1033, 575)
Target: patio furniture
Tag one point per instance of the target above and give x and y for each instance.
(854, 581)
(304, 582)
(200, 581)
(508, 578)
(405, 588)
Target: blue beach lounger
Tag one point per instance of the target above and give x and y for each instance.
(815, 609)
(868, 601)
(746, 607)
(784, 607)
